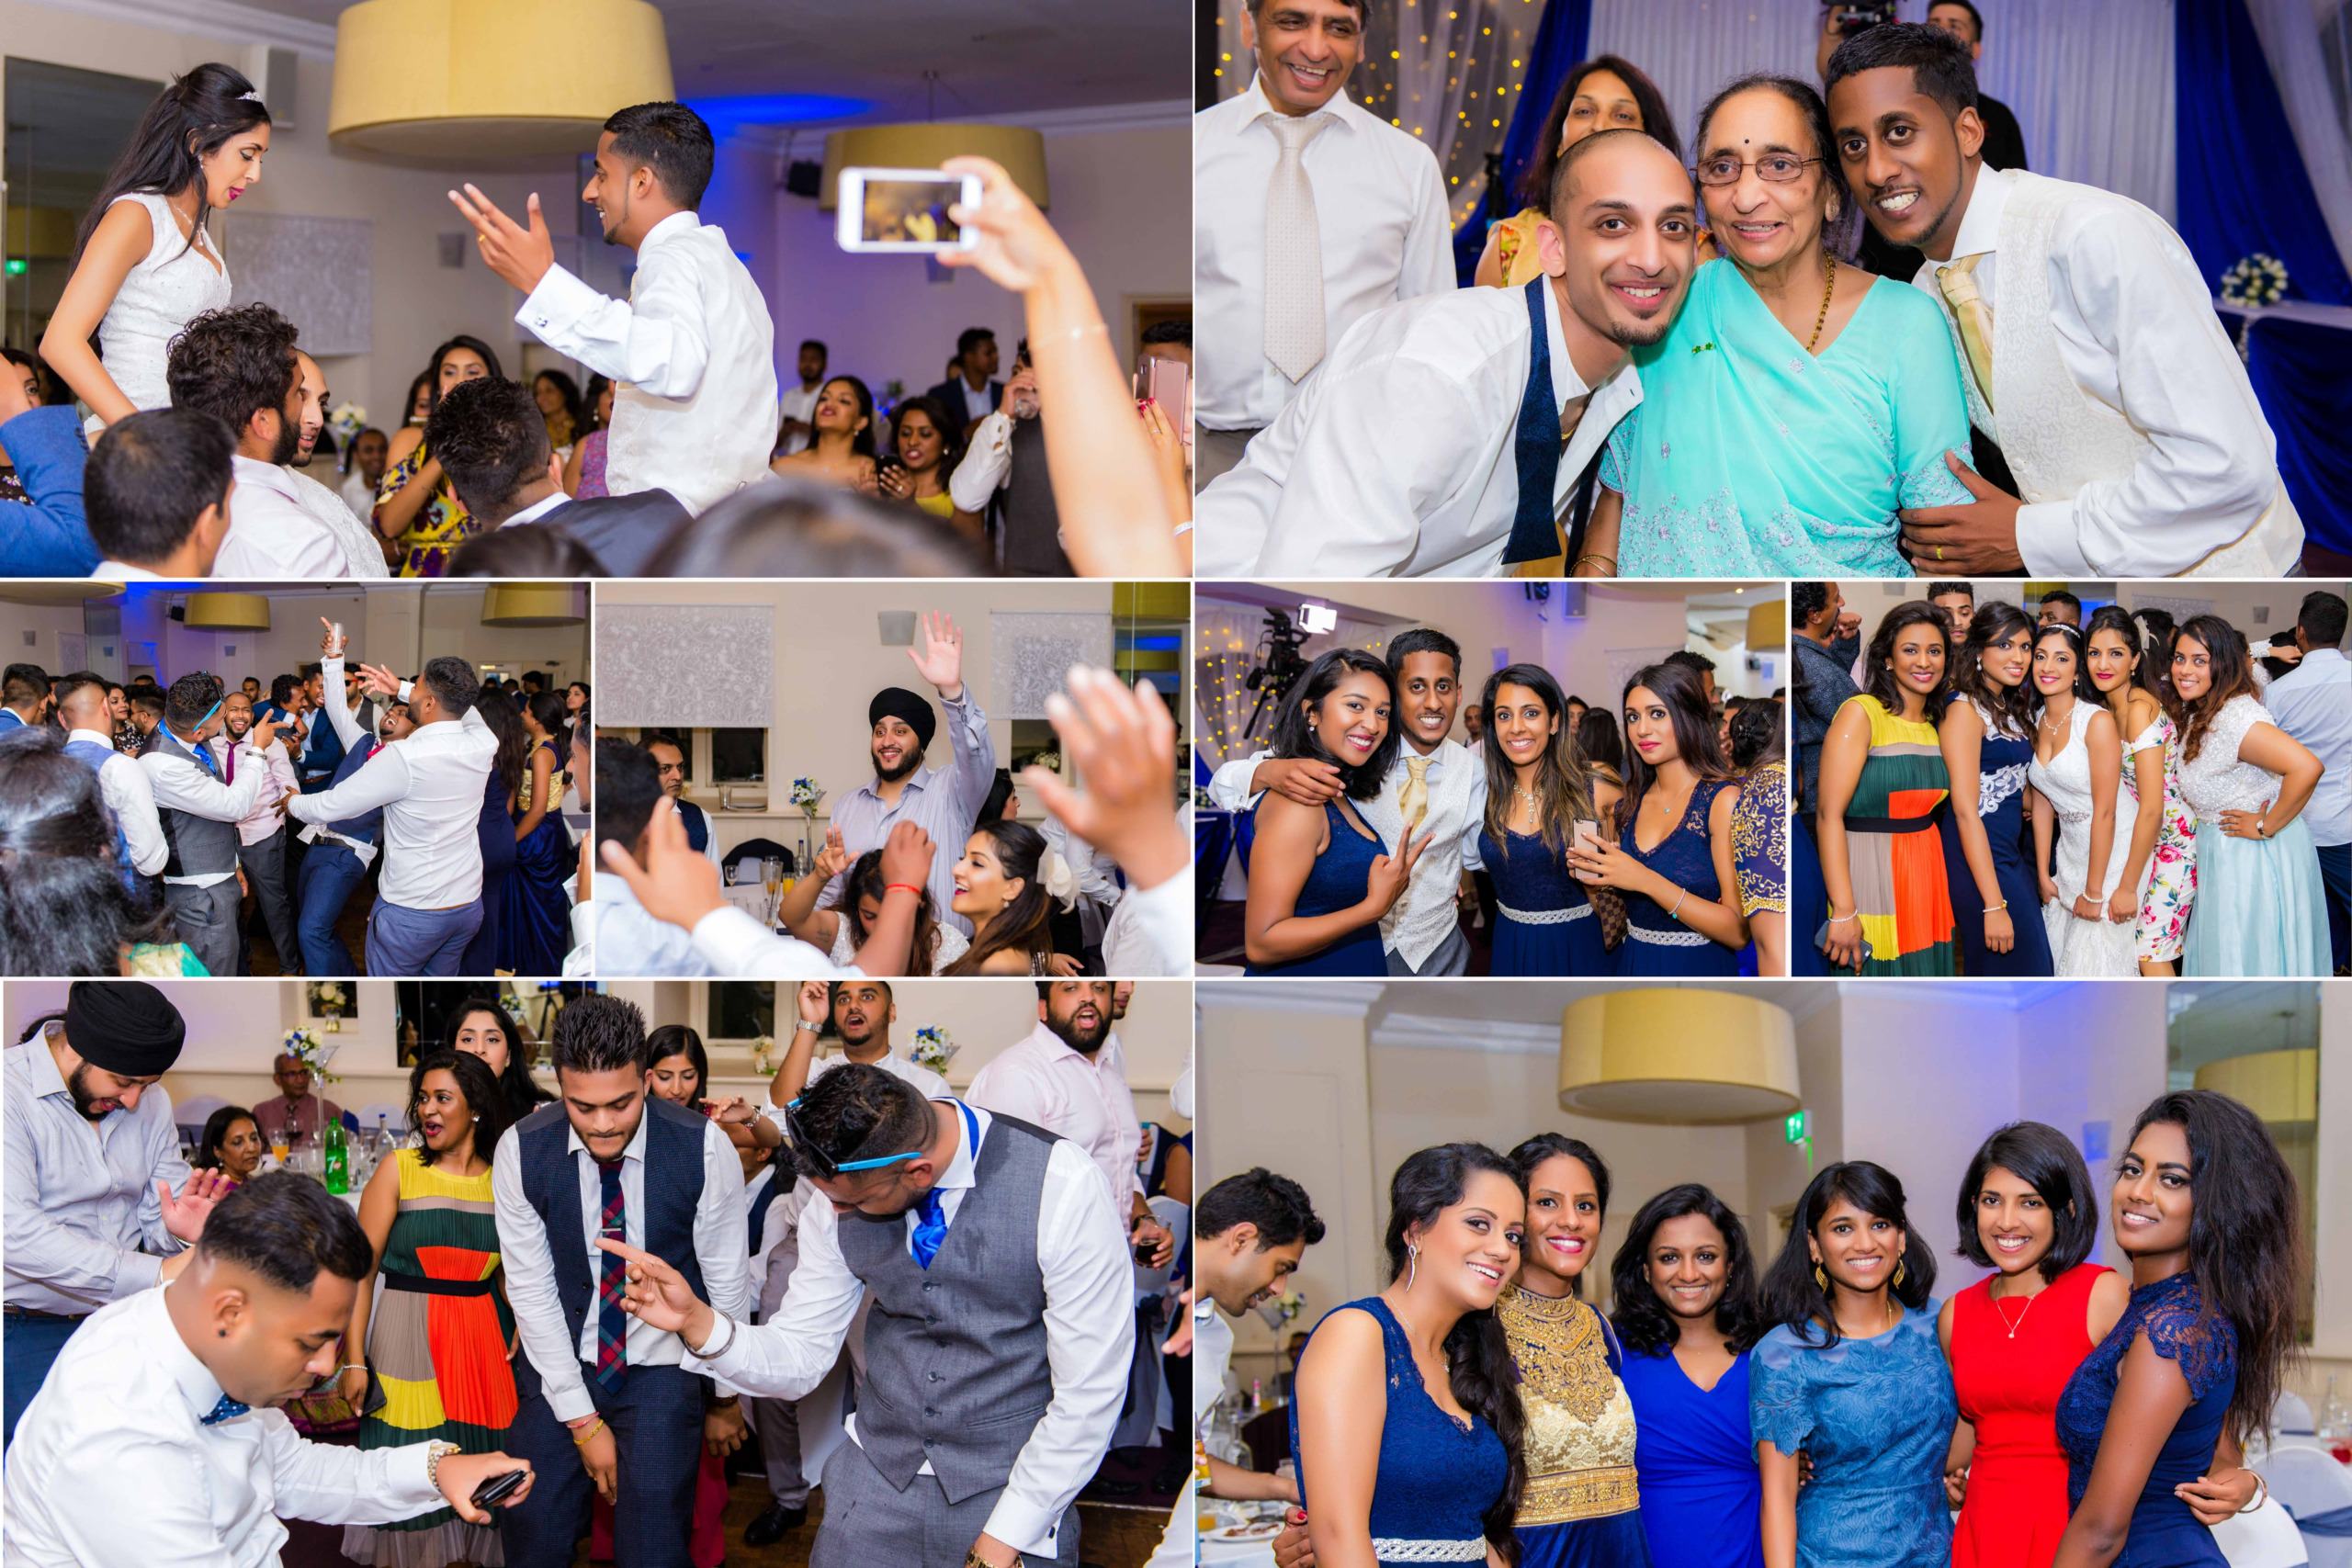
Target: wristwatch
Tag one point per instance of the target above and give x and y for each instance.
(812, 1028)
(435, 1451)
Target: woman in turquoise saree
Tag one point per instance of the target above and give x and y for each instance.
(1798, 403)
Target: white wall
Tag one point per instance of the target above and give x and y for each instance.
(417, 302)
(1117, 201)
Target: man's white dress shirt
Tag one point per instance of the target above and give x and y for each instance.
(2136, 330)
(272, 535)
(1380, 218)
(2312, 703)
(1042, 1081)
(362, 547)
(113, 1467)
(124, 785)
(278, 771)
(930, 1084)
(1448, 835)
(1150, 932)
(722, 1250)
(797, 402)
(693, 352)
(122, 572)
(538, 509)
(1398, 458)
(180, 785)
(430, 784)
(1090, 1331)
(358, 495)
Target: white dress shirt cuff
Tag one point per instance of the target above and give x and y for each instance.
(558, 303)
(410, 1480)
(738, 947)
(1021, 1524)
(2048, 541)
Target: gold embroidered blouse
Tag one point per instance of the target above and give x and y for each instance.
(1579, 1440)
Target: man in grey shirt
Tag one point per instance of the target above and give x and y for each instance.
(943, 802)
(92, 1158)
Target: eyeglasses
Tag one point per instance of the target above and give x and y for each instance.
(1775, 168)
(825, 1165)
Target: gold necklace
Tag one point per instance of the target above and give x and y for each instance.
(2013, 1327)
(1828, 288)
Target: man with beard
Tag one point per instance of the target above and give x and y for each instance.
(201, 809)
(999, 1283)
(240, 366)
(93, 1158)
(363, 549)
(2135, 436)
(944, 802)
(1437, 787)
(1445, 436)
(1069, 1076)
(158, 1440)
(262, 836)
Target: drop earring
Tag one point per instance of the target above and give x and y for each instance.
(1821, 1278)
(1412, 1263)
(1898, 1273)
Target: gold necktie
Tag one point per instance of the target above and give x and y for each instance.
(1414, 804)
(1958, 281)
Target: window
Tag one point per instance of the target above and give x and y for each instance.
(740, 1009)
(738, 756)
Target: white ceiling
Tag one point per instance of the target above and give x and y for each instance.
(995, 57)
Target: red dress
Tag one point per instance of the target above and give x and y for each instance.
(2008, 1387)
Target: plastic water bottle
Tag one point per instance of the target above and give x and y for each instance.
(337, 1160)
(383, 1144)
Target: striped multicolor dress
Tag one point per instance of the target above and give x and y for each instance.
(1894, 854)
(437, 1332)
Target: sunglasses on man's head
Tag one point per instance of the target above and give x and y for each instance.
(825, 1164)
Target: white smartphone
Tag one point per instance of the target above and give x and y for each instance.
(904, 212)
(1584, 833)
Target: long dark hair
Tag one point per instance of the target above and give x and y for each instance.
(485, 1097)
(515, 1089)
(216, 1132)
(2046, 1160)
(2084, 691)
(1685, 696)
(1529, 1155)
(513, 764)
(1642, 1324)
(195, 116)
(951, 435)
(1599, 743)
(2233, 672)
(1293, 737)
(2156, 632)
(1792, 1294)
(1479, 1368)
(2117, 619)
(482, 351)
(1879, 682)
(1025, 926)
(64, 908)
(549, 714)
(863, 443)
(1839, 236)
(678, 1040)
(1657, 122)
(569, 390)
(865, 881)
(2011, 707)
(2244, 1237)
(1563, 781)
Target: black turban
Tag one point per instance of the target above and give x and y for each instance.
(897, 702)
(127, 1027)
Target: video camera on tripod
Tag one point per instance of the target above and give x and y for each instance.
(1281, 660)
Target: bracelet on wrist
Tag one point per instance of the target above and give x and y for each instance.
(1841, 919)
(1996, 909)
(580, 1439)
(2261, 1492)
(891, 887)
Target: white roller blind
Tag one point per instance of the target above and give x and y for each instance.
(686, 666)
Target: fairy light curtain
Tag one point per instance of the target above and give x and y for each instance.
(1225, 643)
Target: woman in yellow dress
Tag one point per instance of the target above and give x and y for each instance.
(1603, 94)
(419, 518)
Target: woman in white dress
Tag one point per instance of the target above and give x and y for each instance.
(145, 261)
(840, 927)
(2077, 771)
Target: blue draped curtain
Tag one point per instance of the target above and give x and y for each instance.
(1560, 41)
(2242, 183)
(2297, 370)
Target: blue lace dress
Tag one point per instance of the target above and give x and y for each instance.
(2163, 1534)
(1543, 921)
(1337, 880)
(1436, 1478)
(1877, 1417)
(1655, 943)
(2001, 764)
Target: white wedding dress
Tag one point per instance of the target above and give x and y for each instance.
(2080, 948)
(170, 287)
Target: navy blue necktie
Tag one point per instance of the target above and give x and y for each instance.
(227, 1410)
(1534, 532)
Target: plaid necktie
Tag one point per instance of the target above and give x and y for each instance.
(611, 1283)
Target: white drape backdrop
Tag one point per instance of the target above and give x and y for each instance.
(2090, 81)
(2304, 42)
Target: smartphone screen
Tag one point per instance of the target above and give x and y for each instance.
(903, 211)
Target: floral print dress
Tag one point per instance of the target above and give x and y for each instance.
(2172, 878)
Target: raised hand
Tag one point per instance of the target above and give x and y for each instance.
(329, 646)
(675, 883)
(184, 1214)
(1017, 246)
(815, 999)
(1390, 873)
(906, 855)
(521, 256)
(938, 654)
(263, 732)
(1123, 743)
(378, 682)
(834, 858)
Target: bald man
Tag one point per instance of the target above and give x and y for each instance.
(140, 843)
(1403, 455)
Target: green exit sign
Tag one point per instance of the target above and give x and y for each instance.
(1793, 1128)
(17, 267)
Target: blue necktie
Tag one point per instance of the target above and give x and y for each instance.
(203, 753)
(931, 1228)
(227, 1410)
(1534, 533)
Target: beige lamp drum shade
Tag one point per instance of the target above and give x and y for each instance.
(1675, 1055)
(927, 145)
(483, 82)
(2281, 1087)
(1767, 625)
(227, 612)
(533, 605)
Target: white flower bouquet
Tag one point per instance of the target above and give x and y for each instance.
(2256, 280)
(932, 1049)
(808, 794)
(307, 1048)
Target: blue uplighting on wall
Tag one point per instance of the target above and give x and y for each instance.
(728, 116)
